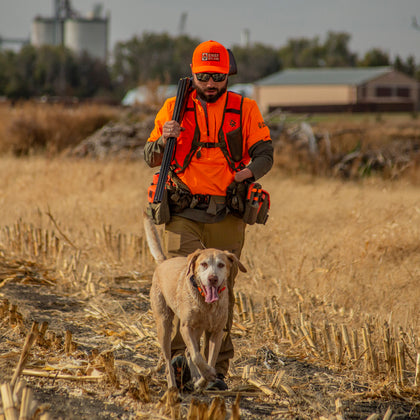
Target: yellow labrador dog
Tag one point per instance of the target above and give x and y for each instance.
(192, 289)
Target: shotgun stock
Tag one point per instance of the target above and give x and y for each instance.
(183, 90)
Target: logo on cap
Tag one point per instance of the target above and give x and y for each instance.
(210, 57)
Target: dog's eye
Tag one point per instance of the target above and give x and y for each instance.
(204, 265)
(220, 265)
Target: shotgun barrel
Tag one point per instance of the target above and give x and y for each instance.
(183, 89)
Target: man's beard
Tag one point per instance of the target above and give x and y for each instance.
(213, 96)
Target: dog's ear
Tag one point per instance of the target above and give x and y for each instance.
(191, 259)
(232, 257)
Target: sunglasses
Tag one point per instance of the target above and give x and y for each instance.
(205, 77)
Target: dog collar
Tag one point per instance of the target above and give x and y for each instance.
(202, 292)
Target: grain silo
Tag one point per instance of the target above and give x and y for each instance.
(46, 31)
(67, 27)
(90, 35)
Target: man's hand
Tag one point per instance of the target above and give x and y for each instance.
(170, 129)
(243, 174)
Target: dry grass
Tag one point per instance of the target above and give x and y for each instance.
(335, 258)
(332, 286)
(354, 244)
(29, 128)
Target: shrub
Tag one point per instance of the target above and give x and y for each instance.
(30, 128)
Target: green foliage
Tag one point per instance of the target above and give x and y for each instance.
(408, 67)
(303, 52)
(51, 71)
(255, 62)
(153, 57)
(374, 58)
(17, 71)
(161, 58)
(336, 50)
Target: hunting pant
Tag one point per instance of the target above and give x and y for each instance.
(184, 236)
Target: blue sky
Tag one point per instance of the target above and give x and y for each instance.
(384, 24)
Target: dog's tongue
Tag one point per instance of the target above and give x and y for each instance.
(211, 294)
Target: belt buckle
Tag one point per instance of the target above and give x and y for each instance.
(204, 199)
(200, 200)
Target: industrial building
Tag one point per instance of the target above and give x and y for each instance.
(67, 27)
(338, 89)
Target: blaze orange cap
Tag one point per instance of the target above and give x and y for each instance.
(210, 56)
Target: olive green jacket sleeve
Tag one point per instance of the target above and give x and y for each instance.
(153, 152)
(261, 155)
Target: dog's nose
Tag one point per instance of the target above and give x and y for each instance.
(213, 279)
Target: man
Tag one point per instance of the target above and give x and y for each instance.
(221, 142)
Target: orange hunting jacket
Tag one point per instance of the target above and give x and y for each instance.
(208, 170)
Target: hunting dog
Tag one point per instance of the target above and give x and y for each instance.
(190, 288)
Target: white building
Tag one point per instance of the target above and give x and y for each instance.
(75, 32)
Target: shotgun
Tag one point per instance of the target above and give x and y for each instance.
(183, 90)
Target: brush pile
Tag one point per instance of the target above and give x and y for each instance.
(346, 150)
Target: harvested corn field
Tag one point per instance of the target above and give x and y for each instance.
(326, 325)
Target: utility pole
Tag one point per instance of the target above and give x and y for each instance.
(414, 23)
(182, 23)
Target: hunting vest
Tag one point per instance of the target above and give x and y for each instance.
(229, 136)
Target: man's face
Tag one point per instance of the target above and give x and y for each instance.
(210, 91)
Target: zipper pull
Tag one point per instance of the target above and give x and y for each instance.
(198, 154)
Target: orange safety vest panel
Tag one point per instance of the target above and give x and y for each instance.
(210, 149)
(189, 142)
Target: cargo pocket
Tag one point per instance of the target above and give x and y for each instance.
(173, 242)
(160, 212)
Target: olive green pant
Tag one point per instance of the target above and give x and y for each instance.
(184, 236)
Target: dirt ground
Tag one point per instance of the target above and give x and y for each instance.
(334, 258)
(113, 345)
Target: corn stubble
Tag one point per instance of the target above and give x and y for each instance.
(333, 280)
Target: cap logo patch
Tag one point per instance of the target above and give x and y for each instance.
(210, 57)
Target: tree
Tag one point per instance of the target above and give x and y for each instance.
(255, 62)
(152, 57)
(302, 52)
(6, 59)
(408, 67)
(91, 76)
(52, 71)
(161, 58)
(374, 58)
(21, 68)
(336, 50)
